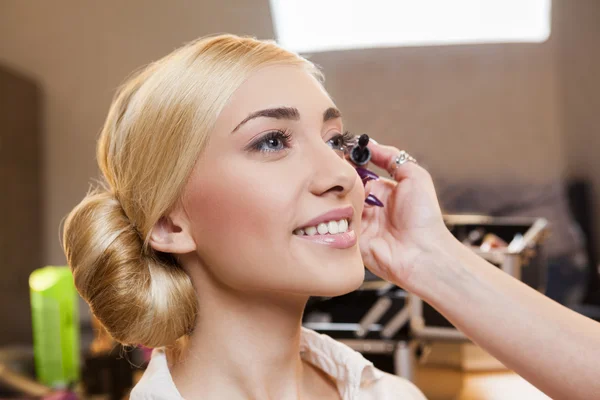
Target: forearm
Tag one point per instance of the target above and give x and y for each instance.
(551, 346)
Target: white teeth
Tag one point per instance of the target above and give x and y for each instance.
(324, 228)
(333, 227)
(310, 231)
(343, 226)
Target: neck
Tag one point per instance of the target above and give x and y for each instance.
(245, 345)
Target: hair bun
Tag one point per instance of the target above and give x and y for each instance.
(141, 297)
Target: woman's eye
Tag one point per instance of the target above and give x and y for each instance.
(341, 142)
(336, 142)
(271, 142)
(274, 143)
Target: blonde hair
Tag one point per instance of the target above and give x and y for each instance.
(158, 124)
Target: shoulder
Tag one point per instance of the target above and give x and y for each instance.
(352, 371)
(389, 387)
(157, 383)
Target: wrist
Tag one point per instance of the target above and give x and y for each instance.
(440, 268)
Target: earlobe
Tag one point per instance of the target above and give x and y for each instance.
(170, 237)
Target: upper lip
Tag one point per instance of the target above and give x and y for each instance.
(333, 215)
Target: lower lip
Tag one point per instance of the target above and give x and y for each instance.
(338, 241)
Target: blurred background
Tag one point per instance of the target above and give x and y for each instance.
(508, 128)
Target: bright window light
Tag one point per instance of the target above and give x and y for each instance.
(321, 25)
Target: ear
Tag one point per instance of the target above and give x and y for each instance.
(171, 234)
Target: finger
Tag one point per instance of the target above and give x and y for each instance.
(384, 157)
(368, 188)
(368, 192)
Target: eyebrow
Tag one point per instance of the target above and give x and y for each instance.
(290, 113)
(277, 113)
(331, 113)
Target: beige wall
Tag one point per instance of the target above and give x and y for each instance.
(470, 112)
(577, 25)
(467, 112)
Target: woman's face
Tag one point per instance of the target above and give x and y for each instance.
(273, 166)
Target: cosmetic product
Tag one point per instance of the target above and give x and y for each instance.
(55, 318)
(361, 155)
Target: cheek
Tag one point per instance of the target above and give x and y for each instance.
(239, 223)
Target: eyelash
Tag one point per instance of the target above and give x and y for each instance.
(348, 140)
(283, 136)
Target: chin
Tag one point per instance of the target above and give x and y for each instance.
(340, 280)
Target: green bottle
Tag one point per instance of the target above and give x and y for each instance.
(55, 318)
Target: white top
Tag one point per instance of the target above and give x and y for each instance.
(356, 377)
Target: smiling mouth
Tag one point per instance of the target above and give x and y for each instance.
(325, 228)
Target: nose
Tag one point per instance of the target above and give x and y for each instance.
(332, 174)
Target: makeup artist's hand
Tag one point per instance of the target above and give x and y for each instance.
(397, 239)
(407, 243)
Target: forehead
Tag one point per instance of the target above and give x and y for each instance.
(276, 86)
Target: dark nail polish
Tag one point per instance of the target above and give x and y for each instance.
(373, 201)
(365, 173)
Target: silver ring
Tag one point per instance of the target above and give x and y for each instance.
(402, 158)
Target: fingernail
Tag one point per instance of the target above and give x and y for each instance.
(365, 173)
(373, 201)
(373, 140)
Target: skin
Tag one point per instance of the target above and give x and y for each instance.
(233, 234)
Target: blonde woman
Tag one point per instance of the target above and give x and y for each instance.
(227, 203)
